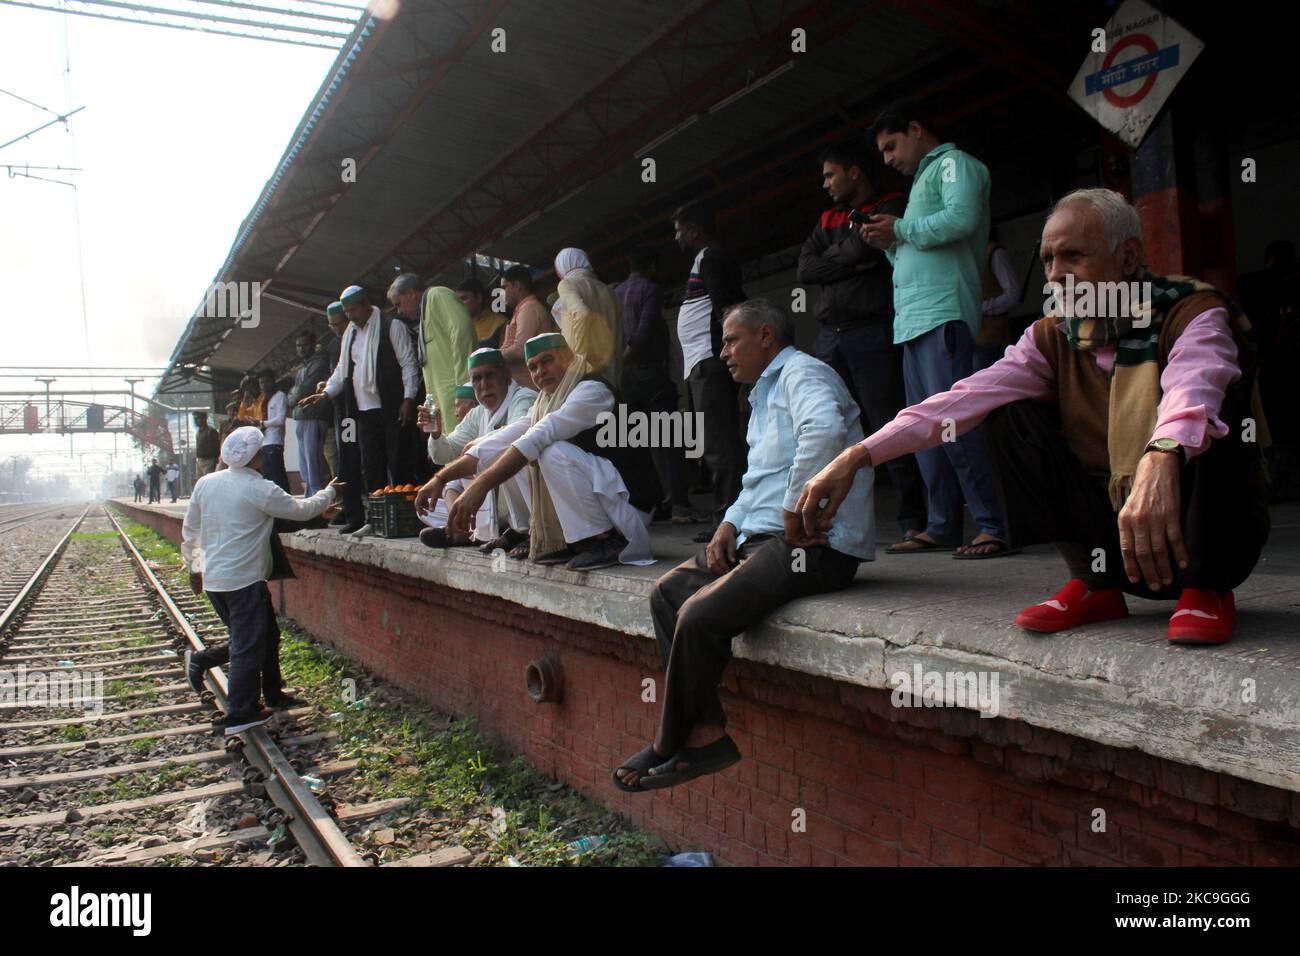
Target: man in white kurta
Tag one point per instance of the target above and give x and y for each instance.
(500, 401)
(590, 499)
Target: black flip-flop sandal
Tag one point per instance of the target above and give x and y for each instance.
(719, 755)
(642, 762)
(1003, 550)
(519, 553)
(923, 546)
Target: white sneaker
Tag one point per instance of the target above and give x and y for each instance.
(364, 530)
(256, 720)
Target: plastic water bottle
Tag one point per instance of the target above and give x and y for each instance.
(586, 844)
(435, 425)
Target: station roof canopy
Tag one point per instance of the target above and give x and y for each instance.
(513, 129)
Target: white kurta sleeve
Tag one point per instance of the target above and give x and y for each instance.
(447, 448)
(494, 443)
(400, 336)
(580, 411)
(190, 528)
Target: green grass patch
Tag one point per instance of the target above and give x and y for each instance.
(456, 771)
(151, 545)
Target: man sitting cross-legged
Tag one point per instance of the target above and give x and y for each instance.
(500, 401)
(759, 558)
(591, 498)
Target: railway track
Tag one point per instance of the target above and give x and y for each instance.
(13, 517)
(106, 757)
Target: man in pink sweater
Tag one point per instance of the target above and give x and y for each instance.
(1120, 427)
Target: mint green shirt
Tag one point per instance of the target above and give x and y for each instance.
(940, 241)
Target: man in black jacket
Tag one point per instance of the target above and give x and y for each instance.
(856, 308)
(713, 287)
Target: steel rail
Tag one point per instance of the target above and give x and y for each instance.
(12, 523)
(38, 576)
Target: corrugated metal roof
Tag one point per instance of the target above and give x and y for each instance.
(471, 119)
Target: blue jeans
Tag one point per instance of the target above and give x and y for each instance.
(311, 455)
(932, 363)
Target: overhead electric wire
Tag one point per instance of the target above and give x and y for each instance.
(57, 119)
(236, 4)
(202, 22)
(29, 102)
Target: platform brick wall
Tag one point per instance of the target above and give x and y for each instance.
(880, 785)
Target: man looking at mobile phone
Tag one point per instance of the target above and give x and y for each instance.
(855, 307)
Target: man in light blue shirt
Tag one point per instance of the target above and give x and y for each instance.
(759, 558)
(937, 249)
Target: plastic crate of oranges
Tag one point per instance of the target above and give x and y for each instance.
(391, 511)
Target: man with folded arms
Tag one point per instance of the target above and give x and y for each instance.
(759, 558)
(1127, 440)
(500, 401)
(591, 501)
(226, 544)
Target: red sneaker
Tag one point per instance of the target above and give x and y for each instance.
(1203, 616)
(1072, 606)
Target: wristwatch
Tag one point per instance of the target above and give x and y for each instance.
(1169, 446)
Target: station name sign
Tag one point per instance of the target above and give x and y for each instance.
(1133, 68)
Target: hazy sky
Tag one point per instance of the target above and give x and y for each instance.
(179, 133)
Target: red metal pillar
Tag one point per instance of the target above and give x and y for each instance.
(1164, 192)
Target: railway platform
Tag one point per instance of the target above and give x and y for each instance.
(1103, 746)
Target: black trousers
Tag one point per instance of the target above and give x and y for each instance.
(647, 388)
(871, 365)
(349, 453)
(273, 465)
(696, 614)
(1047, 496)
(380, 438)
(714, 394)
(413, 465)
(254, 648)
